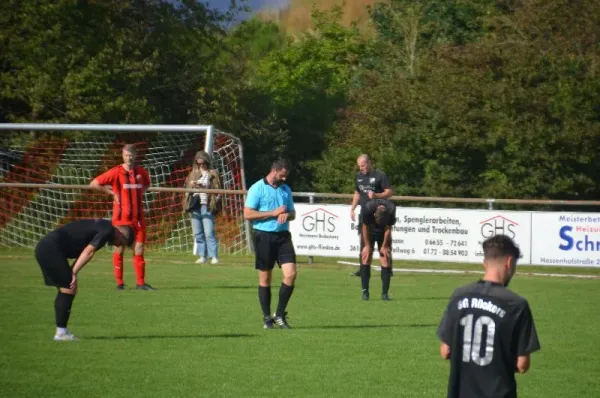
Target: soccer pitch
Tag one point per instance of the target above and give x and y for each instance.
(201, 333)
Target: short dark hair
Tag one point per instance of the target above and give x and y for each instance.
(280, 164)
(499, 246)
(380, 215)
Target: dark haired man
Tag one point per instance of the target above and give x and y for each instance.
(78, 240)
(270, 207)
(378, 217)
(487, 331)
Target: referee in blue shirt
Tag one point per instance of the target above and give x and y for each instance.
(270, 207)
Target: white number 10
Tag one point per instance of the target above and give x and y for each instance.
(472, 339)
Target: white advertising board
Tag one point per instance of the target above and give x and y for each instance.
(419, 234)
(566, 239)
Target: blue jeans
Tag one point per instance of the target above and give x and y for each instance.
(203, 226)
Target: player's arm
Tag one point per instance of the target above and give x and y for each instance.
(86, 255)
(365, 255)
(387, 237)
(95, 184)
(251, 214)
(366, 239)
(291, 210)
(444, 351)
(523, 363)
(355, 200)
(100, 184)
(383, 195)
(253, 203)
(445, 330)
(387, 188)
(527, 341)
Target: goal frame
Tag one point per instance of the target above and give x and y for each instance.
(209, 129)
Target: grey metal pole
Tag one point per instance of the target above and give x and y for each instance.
(491, 204)
(311, 200)
(103, 127)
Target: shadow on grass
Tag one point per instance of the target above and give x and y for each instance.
(189, 336)
(238, 287)
(423, 298)
(415, 325)
(210, 287)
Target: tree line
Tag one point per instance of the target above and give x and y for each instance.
(487, 98)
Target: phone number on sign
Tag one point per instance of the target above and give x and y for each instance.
(441, 242)
(445, 252)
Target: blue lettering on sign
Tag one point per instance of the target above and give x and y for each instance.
(585, 245)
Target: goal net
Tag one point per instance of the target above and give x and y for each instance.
(75, 158)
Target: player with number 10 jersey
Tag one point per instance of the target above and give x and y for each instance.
(487, 331)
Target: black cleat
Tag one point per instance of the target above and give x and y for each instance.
(281, 321)
(121, 287)
(268, 323)
(357, 273)
(145, 286)
(385, 297)
(365, 295)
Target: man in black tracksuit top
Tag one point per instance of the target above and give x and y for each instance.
(369, 184)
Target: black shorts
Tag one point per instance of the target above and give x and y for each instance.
(374, 237)
(271, 247)
(54, 264)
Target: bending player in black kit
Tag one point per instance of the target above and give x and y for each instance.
(77, 240)
(487, 331)
(378, 217)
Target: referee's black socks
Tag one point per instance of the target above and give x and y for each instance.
(62, 308)
(285, 292)
(264, 297)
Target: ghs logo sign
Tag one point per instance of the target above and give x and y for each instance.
(319, 220)
(498, 225)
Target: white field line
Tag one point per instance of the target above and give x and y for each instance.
(466, 272)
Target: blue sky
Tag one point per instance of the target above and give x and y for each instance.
(255, 4)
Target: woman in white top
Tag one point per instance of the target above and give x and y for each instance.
(203, 207)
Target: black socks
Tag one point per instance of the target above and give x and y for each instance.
(365, 275)
(285, 292)
(264, 296)
(62, 308)
(386, 274)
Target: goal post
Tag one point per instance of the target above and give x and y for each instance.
(64, 158)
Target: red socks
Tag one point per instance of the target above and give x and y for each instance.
(139, 265)
(118, 267)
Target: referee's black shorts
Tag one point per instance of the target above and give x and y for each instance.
(271, 247)
(53, 263)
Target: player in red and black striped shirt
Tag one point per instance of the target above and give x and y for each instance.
(128, 183)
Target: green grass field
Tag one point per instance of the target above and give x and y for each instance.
(201, 333)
